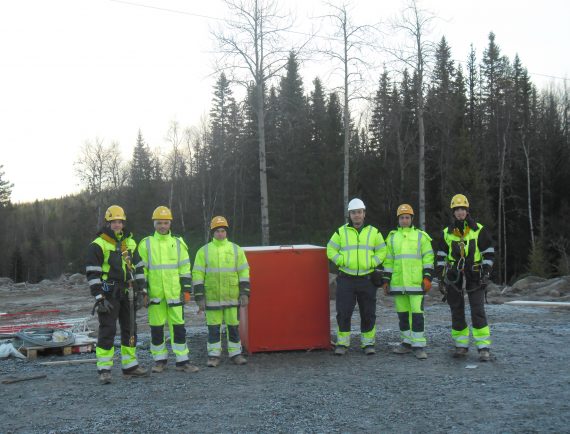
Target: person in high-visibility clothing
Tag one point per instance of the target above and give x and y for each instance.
(221, 284)
(465, 256)
(168, 273)
(407, 275)
(357, 250)
(107, 273)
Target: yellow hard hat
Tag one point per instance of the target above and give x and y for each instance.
(115, 212)
(404, 209)
(162, 213)
(459, 200)
(218, 222)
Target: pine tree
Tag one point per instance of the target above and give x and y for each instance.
(5, 189)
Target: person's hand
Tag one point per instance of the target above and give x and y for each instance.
(186, 297)
(386, 288)
(244, 300)
(426, 285)
(201, 303)
(141, 299)
(104, 306)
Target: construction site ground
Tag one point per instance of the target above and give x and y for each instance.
(524, 388)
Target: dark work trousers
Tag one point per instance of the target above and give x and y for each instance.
(352, 290)
(108, 322)
(476, 295)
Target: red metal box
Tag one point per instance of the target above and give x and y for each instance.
(289, 304)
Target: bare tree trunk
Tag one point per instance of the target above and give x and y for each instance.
(501, 212)
(262, 167)
(346, 115)
(526, 150)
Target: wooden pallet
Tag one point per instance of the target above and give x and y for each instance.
(32, 352)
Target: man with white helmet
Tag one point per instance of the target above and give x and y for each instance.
(356, 249)
(464, 262)
(167, 270)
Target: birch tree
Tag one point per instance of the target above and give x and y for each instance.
(251, 45)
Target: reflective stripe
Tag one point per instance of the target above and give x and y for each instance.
(198, 282)
(346, 243)
(184, 262)
(234, 349)
(334, 245)
(407, 256)
(429, 252)
(148, 252)
(357, 247)
(366, 342)
(104, 359)
(139, 276)
(406, 288)
(181, 358)
(157, 348)
(489, 250)
(389, 256)
(440, 253)
(379, 246)
(343, 338)
(481, 338)
(93, 268)
(94, 281)
(129, 365)
(487, 262)
(388, 270)
(199, 268)
(189, 275)
(428, 266)
(163, 267)
(221, 270)
(161, 356)
(440, 263)
(368, 248)
(171, 301)
(244, 279)
(242, 267)
(140, 264)
(215, 349)
(219, 304)
(155, 300)
(178, 347)
(354, 272)
(103, 368)
(377, 259)
(335, 257)
(420, 235)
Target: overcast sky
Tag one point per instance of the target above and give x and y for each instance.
(76, 70)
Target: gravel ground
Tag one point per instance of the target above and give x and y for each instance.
(525, 388)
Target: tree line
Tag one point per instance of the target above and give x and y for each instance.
(489, 134)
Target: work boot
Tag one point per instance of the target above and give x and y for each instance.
(213, 362)
(138, 371)
(460, 352)
(239, 360)
(159, 367)
(403, 348)
(340, 350)
(187, 367)
(105, 377)
(420, 353)
(484, 355)
(369, 350)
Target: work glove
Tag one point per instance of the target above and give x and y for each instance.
(201, 303)
(102, 305)
(486, 275)
(141, 299)
(244, 300)
(376, 278)
(386, 288)
(426, 284)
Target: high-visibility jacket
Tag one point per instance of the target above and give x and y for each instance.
(355, 252)
(221, 273)
(469, 248)
(409, 260)
(104, 262)
(166, 267)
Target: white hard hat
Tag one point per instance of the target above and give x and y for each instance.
(356, 204)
